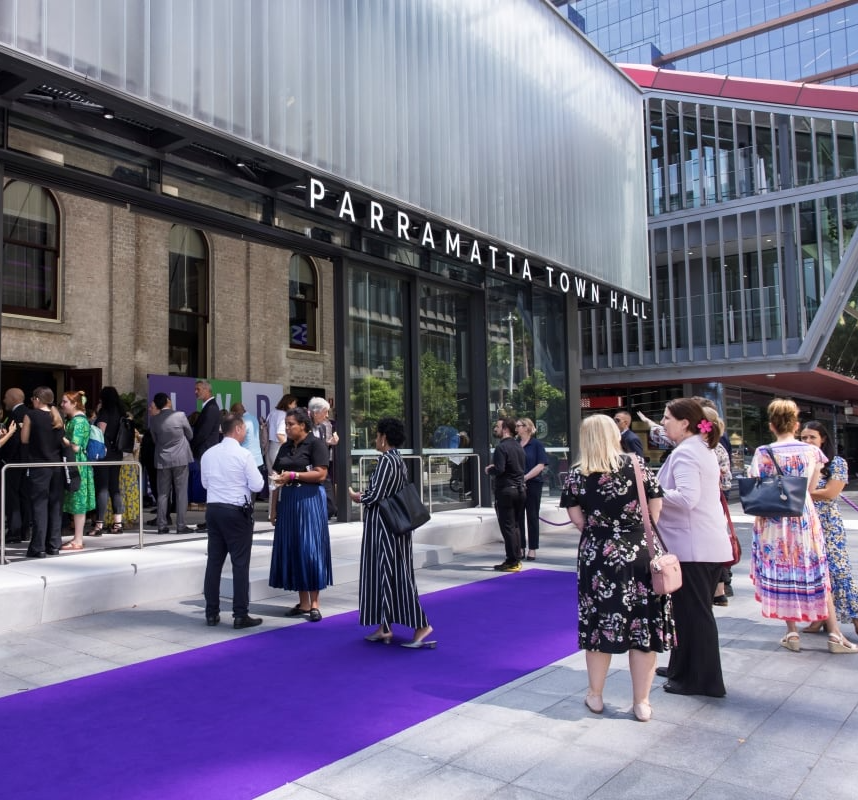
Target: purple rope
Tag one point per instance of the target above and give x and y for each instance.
(555, 524)
(848, 502)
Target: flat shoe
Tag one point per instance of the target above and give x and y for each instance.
(315, 615)
(791, 641)
(297, 611)
(384, 638)
(838, 643)
(594, 703)
(642, 712)
(530, 558)
(72, 546)
(422, 643)
(720, 600)
(661, 672)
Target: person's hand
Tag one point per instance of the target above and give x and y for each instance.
(278, 478)
(643, 418)
(334, 439)
(355, 496)
(13, 426)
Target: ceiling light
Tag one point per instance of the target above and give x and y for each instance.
(107, 113)
(240, 164)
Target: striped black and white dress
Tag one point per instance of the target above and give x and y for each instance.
(388, 591)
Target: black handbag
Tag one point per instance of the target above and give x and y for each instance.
(404, 511)
(775, 496)
(71, 473)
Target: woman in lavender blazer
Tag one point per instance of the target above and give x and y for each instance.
(693, 527)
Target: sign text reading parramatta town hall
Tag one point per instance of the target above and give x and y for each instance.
(451, 244)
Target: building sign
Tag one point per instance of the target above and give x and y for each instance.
(379, 218)
(257, 398)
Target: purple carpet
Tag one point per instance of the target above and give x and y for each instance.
(239, 718)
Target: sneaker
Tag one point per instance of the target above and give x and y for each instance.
(501, 567)
(516, 567)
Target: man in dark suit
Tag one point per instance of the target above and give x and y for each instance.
(17, 487)
(206, 427)
(628, 438)
(171, 433)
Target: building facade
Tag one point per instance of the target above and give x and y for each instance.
(789, 40)
(753, 205)
(370, 202)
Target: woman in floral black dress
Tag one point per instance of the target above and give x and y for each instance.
(617, 609)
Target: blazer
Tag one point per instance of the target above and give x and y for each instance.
(171, 433)
(206, 429)
(692, 522)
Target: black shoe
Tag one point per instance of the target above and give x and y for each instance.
(163, 530)
(720, 600)
(201, 526)
(728, 590)
(297, 611)
(154, 520)
(661, 672)
(213, 620)
(14, 539)
(184, 529)
(501, 567)
(246, 622)
(31, 554)
(315, 615)
(52, 551)
(674, 688)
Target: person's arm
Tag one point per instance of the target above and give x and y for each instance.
(654, 505)
(686, 476)
(13, 426)
(576, 516)
(25, 430)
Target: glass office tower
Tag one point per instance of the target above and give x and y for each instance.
(793, 40)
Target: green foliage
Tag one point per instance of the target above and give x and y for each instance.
(138, 406)
(438, 389)
(536, 397)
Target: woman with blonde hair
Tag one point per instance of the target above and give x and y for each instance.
(80, 502)
(618, 612)
(535, 460)
(789, 567)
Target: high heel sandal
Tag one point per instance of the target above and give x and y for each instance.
(96, 530)
(838, 643)
(792, 641)
(594, 702)
(117, 527)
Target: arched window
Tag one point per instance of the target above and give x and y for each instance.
(31, 251)
(189, 302)
(303, 304)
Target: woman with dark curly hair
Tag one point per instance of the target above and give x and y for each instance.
(388, 591)
(301, 554)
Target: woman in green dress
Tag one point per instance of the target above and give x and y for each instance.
(73, 405)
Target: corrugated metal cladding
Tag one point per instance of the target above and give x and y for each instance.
(494, 114)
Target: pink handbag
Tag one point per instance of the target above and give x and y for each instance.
(665, 569)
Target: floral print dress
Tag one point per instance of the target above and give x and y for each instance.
(789, 569)
(617, 609)
(843, 586)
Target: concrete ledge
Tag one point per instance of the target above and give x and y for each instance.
(84, 583)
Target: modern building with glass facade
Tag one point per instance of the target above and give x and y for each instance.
(753, 205)
(791, 40)
(374, 202)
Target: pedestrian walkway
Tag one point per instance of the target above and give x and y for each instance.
(788, 727)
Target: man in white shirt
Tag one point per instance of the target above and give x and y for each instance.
(230, 475)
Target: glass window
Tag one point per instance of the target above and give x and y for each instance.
(189, 302)
(303, 304)
(30, 251)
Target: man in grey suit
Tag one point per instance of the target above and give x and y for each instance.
(171, 433)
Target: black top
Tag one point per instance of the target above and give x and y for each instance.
(12, 452)
(206, 429)
(111, 431)
(45, 441)
(508, 463)
(311, 452)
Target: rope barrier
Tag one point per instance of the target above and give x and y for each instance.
(555, 524)
(848, 502)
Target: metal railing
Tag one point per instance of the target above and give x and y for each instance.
(362, 474)
(54, 464)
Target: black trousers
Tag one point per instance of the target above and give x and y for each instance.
(509, 506)
(529, 518)
(47, 485)
(107, 486)
(695, 663)
(230, 531)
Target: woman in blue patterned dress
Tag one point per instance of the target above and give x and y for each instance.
(301, 552)
(618, 612)
(388, 590)
(789, 568)
(78, 503)
(833, 478)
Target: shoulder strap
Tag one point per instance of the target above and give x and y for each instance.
(774, 460)
(647, 522)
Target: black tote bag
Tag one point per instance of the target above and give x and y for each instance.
(404, 511)
(775, 496)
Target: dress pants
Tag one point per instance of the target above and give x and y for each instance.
(177, 479)
(509, 506)
(530, 516)
(695, 661)
(46, 493)
(230, 530)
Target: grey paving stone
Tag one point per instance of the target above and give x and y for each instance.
(718, 790)
(575, 773)
(830, 779)
(504, 757)
(644, 781)
(823, 701)
(446, 737)
(780, 770)
(689, 749)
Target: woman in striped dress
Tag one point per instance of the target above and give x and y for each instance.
(388, 591)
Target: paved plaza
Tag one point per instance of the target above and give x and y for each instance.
(788, 727)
